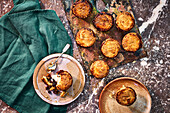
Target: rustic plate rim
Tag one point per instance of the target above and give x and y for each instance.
(36, 72)
(123, 78)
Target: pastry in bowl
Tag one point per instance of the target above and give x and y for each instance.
(103, 21)
(125, 21)
(59, 82)
(131, 42)
(85, 37)
(99, 69)
(110, 47)
(126, 96)
(82, 9)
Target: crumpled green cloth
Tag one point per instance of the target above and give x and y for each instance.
(28, 34)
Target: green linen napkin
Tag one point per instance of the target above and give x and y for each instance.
(27, 34)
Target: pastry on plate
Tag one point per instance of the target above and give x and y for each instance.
(126, 96)
(64, 80)
(85, 37)
(99, 69)
(103, 21)
(131, 42)
(82, 9)
(59, 82)
(110, 47)
(125, 21)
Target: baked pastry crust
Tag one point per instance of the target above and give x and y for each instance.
(126, 96)
(125, 21)
(103, 21)
(110, 47)
(131, 42)
(65, 81)
(85, 37)
(82, 9)
(99, 69)
(58, 83)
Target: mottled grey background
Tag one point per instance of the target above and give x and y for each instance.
(153, 20)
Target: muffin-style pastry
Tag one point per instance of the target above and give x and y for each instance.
(82, 9)
(64, 80)
(103, 21)
(85, 37)
(125, 21)
(59, 82)
(126, 96)
(131, 42)
(110, 47)
(99, 69)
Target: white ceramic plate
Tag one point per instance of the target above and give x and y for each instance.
(67, 63)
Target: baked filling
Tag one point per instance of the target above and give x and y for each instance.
(126, 96)
(85, 37)
(125, 21)
(103, 21)
(82, 9)
(99, 69)
(131, 42)
(58, 83)
(110, 47)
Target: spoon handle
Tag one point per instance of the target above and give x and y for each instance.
(66, 48)
(63, 51)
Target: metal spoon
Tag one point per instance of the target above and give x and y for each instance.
(53, 66)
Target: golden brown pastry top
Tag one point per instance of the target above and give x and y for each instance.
(65, 80)
(99, 69)
(126, 96)
(110, 47)
(103, 21)
(131, 42)
(58, 83)
(85, 37)
(82, 9)
(125, 21)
